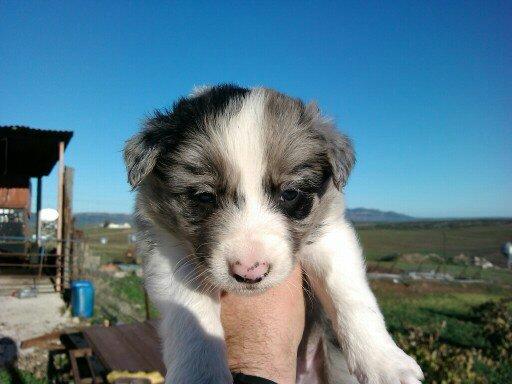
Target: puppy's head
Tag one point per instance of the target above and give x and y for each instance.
(245, 177)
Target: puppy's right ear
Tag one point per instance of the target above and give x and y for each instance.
(140, 155)
(338, 146)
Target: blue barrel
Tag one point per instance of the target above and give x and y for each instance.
(82, 298)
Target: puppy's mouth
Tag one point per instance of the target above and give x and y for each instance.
(250, 275)
(251, 281)
(246, 275)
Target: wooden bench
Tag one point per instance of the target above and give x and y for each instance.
(128, 347)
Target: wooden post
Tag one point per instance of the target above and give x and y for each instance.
(70, 271)
(38, 210)
(146, 304)
(60, 209)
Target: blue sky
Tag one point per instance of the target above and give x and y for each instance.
(423, 88)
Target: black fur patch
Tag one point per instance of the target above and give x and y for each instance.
(167, 128)
(188, 115)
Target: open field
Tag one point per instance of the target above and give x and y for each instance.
(448, 239)
(115, 249)
(482, 238)
(440, 323)
(428, 305)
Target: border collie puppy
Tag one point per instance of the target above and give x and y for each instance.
(234, 187)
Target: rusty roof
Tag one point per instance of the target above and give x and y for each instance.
(31, 152)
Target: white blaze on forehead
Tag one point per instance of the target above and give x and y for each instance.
(242, 138)
(255, 232)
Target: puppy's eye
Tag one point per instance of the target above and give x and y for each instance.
(205, 198)
(289, 195)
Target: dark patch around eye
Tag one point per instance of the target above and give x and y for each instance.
(205, 198)
(299, 208)
(289, 195)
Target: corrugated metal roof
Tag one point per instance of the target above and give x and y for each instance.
(29, 151)
(23, 129)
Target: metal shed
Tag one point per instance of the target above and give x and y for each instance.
(27, 153)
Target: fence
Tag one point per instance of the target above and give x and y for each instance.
(25, 259)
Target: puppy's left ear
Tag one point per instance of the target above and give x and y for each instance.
(340, 152)
(140, 155)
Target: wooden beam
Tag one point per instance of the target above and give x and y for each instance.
(60, 209)
(146, 304)
(40, 340)
(38, 209)
(70, 272)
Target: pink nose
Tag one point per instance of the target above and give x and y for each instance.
(249, 273)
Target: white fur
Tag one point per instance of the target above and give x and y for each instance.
(336, 270)
(254, 229)
(199, 90)
(192, 334)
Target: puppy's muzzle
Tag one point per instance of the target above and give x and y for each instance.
(250, 273)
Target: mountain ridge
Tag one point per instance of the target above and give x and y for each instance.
(359, 214)
(363, 215)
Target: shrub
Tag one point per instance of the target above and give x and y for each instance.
(444, 363)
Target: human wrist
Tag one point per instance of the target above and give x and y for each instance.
(263, 360)
(262, 332)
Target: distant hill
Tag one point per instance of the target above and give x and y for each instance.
(83, 219)
(365, 215)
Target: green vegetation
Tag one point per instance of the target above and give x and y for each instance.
(449, 239)
(120, 299)
(429, 305)
(459, 333)
(116, 247)
(19, 377)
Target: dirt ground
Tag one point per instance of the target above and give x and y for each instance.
(23, 319)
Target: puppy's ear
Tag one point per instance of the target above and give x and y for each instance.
(341, 156)
(340, 152)
(140, 155)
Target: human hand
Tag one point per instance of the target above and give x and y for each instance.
(263, 332)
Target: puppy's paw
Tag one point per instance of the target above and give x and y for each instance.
(389, 365)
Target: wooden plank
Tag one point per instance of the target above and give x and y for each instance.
(39, 198)
(27, 255)
(146, 304)
(40, 340)
(67, 230)
(138, 346)
(74, 367)
(114, 351)
(60, 208)
(148, 344)
(74, 355)
(131, 347)
(27, 265)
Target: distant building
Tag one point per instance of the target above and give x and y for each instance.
(506, 250)
(110, 225)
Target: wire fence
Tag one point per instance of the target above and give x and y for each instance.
(41, 261)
